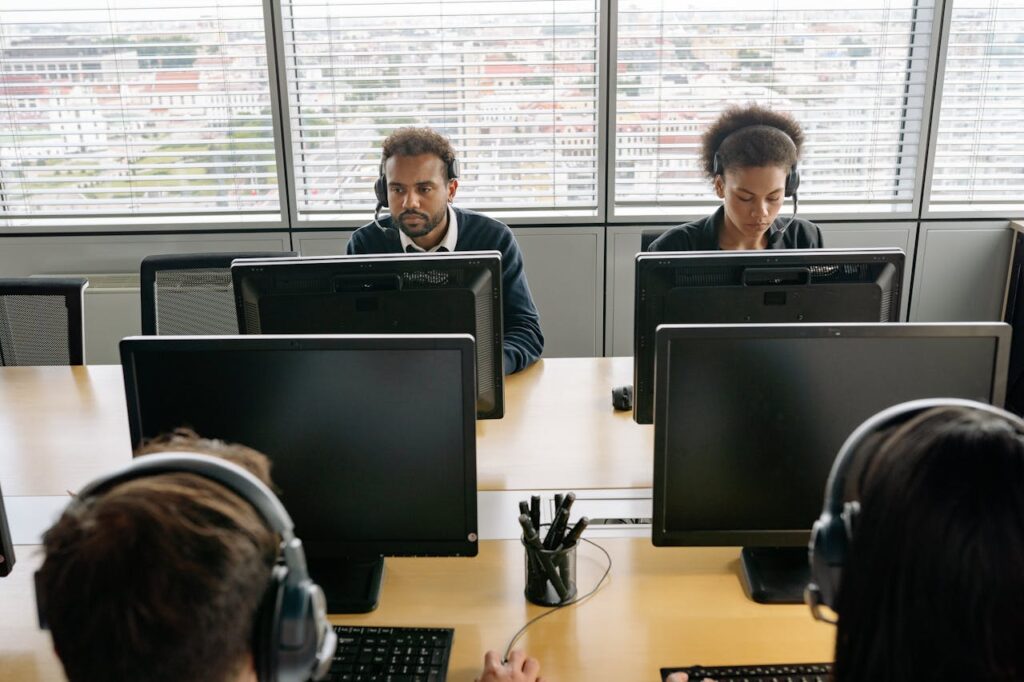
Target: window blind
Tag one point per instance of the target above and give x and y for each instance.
(135, 110)
(854, 75)
(513, 85)
(979, 150)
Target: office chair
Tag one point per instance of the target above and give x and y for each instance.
(41, 321)
(647, 238)
(191, 294)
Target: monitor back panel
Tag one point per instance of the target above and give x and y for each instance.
(744, 287)
(450, 293)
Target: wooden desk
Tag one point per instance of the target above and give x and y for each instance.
(561, 433)
(661, 607)
(61, 427)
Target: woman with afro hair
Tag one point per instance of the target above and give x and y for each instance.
(750, 154)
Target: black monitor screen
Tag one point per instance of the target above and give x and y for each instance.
(372, 440)
(749, 418)
(739, 287)
(6, 544)
(435, 293)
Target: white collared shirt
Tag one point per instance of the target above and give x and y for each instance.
(449, 241)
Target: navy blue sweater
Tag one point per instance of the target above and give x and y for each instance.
(702, 235)
(523, 341)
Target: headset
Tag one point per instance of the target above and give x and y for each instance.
(833, 531)
(792, 176)
(293, 641)
(380, 187)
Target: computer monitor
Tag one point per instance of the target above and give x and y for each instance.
(372, 439)
(436, 293)
(748, 419)
(6, 544)
(1013, 314)
(723, 287)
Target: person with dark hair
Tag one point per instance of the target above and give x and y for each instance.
(932, 586)
(940, 593)
(159, 579)
(418, 182)
(751, 155)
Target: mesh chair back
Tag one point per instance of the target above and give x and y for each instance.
(41, 321)
(647, 238)
(191, 294)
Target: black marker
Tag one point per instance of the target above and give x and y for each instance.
(568, 500)
(558, 502)
(574, 535)
(535, 511)
(524, 508)
(557, 529)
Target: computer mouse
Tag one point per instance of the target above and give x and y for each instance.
(622, 398)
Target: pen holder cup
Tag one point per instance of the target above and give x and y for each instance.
(542, 587)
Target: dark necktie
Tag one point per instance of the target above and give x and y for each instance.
(412, 249)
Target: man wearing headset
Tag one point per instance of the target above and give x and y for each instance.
(417, 184)
(184, 568)
(174, 574)
(750, 154)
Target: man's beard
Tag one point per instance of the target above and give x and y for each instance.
(421, 229)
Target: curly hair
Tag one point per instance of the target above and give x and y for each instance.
(416, 141)
(751, 136)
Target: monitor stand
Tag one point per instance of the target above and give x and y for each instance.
(351, 585)
(775, 575)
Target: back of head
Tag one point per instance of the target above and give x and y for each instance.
(934, 583)
(157, 579)
(749, 137)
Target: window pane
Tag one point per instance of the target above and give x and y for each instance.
(853, 74)
(979, 151)
(513, 84)
(134, 109)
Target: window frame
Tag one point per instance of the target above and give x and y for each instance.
(607, 213)
(694, 209)
(928, 212)
(539, 217)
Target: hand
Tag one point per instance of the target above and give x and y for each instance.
(682, 677)
(519, 668)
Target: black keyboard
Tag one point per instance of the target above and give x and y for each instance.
(367, 654)
(793, 672)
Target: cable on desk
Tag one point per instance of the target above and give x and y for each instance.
(577, 600)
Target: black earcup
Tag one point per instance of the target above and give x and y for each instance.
(792, 181)
(266, 631)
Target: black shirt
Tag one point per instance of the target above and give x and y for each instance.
(702, 235)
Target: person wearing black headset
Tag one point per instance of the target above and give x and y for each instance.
(751, 156)
(182, 566)
(417, 183)
(919, 550)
